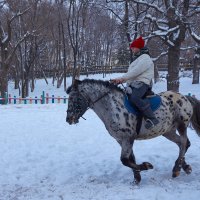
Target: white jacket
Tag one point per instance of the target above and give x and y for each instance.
(141, 69)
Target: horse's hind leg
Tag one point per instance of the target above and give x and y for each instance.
(187, 168)
(183, 143)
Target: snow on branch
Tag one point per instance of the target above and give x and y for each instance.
(8, 60)
(151, 5)
(156, 22)
(117, 1)
(186, 48)
(2, 3)
(158, 57)
(195, 37)
(5, 38)
(19, 14)
(165, 32)
(110, 9)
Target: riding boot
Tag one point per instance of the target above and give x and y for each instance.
(151, 120)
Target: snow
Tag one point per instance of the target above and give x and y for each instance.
(5, 39)
(195, 36)
(150, 5)
(44, 158)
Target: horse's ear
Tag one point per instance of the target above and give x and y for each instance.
(75, 83)
(69, 89)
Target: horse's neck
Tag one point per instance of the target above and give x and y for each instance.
(102, 97)
(93, 91)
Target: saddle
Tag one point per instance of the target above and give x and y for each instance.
(153, 99)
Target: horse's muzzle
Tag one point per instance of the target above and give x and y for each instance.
(71, 120)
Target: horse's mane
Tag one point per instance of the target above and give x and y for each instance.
(106, 84)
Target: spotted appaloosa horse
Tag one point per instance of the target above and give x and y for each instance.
(107, 101)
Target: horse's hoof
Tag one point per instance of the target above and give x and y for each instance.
(137, 180)
(187, 169)
(146, 166)
(175, 174)
(137, 177)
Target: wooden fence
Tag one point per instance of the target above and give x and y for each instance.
(43, 99)
(104, 69)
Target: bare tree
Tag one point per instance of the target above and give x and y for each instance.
(73, 22)
(7, 52)
(168, 20)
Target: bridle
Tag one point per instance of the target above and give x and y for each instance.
(89, 102)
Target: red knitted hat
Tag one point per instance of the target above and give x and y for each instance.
(138, 43)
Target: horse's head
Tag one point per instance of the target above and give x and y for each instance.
(77, 103)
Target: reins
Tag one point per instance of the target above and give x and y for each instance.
(100, 98)
(93, 102)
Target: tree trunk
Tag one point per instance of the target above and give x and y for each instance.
(173, 69)
(27, 86)
(74, 68)
(3, 85)
(32, 85)
(196, 67)
(16, 83)
(156, 74)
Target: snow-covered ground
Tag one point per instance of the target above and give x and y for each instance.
(44, 158)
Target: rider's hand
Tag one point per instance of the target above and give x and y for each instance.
(117, 80)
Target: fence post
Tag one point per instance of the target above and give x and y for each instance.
(47, 98)
(9, 99)
(6, 98)
(15, 100)
(58, 99)
(43, 98)
(64, 100)
(36, 100)
(30, 100)
(52, 98)
(0, 98)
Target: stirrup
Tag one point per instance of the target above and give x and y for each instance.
(149, 121)
(149, 124)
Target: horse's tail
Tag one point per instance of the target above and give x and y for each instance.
(195, 120)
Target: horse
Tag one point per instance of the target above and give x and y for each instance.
(175, 113)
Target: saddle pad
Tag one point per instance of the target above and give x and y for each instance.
(154, 101)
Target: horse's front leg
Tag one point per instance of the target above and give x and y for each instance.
(136, 173)
(128, 159)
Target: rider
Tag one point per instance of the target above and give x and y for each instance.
(139, 80)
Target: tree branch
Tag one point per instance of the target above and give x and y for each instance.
(149, 5)
(9, 22)
(9, 58)
(160, 55)
(195, 37)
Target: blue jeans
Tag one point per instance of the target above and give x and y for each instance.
(136, 97)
